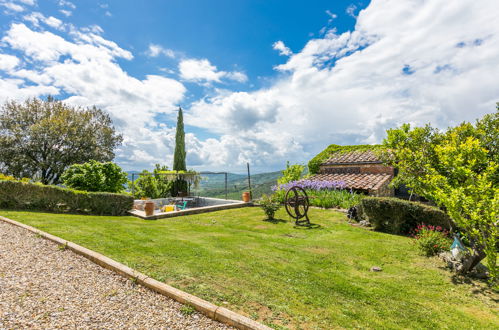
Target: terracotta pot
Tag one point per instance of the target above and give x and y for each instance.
(149, 208)
(246, 197)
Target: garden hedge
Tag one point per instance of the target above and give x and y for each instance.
(399, 216)
(33, 196)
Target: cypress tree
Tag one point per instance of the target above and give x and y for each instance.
(179, 155)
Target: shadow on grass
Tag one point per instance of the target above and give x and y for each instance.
(275, 221)
(309, 226)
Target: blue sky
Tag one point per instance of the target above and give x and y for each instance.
(260, 81)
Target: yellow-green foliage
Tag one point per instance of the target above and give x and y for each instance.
(459, 170)
(314, 163)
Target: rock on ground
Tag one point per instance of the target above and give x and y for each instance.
(42, 286)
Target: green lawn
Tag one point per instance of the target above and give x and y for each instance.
(282, 275)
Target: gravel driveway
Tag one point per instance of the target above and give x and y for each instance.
(42, 286)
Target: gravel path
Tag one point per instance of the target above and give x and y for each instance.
(42, 286)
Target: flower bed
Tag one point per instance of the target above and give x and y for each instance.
(322, 193)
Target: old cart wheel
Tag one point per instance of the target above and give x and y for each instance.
(297, 204)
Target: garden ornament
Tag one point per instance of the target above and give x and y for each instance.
(297, 204)
(457, 248)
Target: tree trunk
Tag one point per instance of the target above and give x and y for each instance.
(470, 261)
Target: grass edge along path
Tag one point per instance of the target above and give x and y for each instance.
(281, 275)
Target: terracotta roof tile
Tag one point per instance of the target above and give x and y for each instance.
(353, 157)
(356, 181)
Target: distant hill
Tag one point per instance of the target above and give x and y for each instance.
(213, 185)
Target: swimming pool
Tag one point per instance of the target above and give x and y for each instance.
(193, 205)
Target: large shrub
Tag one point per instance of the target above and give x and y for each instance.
(399, 216)
(95, 176)
(31, 196)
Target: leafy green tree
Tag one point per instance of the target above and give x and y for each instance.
(40, 139)
(152, 184)
(95, 176)
(179, 155)
(291, 173)
(145, 186)
(163, 182)
(458, 169)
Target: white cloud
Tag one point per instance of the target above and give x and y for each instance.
(203, 71)
(281, 48)
(12, 6)
(157, 50)
(65, 3)
(331, 15)
(8, 62)
(53, 22)
(65, 12)
(351, 10)
(35, 18)
(406, 61)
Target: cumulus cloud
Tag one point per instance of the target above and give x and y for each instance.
(281, 48)
(203, 71)
(406, 61)
(157, 50)
(8, 62)
(12, 6)
(36, 18)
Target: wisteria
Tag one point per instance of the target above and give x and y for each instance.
(312, 185)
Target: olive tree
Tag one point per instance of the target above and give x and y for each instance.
(41, 138)
(459, 170)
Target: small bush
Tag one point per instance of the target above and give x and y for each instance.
(431, 240)
(269, 205)
(399, 216)
(36, 196)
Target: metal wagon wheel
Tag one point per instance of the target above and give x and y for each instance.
(297, 204)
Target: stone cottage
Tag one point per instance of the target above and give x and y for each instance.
(361, 171)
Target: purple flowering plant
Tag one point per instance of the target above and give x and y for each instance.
(311, 185)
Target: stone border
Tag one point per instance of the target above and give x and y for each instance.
(215, 312)
(195, 210)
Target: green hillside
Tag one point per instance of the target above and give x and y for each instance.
(213, 185)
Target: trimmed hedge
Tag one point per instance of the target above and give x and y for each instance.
(31, 196)
(398, 216)
(315, 163)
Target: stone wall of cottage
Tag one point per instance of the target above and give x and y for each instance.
(383, 191)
